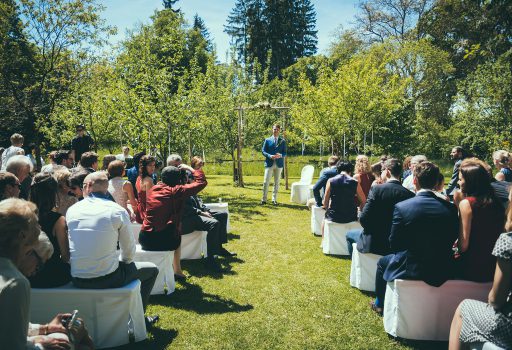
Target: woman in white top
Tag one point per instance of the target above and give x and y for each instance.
(121, 189)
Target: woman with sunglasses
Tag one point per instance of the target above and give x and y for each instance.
(56, 271)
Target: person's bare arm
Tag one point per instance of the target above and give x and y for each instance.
(327, 195)
(501, 285)
(500, 176)
(60, 230)
(127, 187)
(465, 217)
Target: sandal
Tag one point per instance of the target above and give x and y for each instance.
(378, 310)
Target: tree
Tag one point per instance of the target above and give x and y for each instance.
(383, 19)
(237, 28)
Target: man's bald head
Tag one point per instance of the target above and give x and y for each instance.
(96, 182)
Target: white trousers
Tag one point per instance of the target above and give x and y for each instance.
(266, 181)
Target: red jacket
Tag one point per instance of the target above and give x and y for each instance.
(164, 205)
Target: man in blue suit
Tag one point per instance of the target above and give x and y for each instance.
(423, 231)
(274, 150)
(325, 175)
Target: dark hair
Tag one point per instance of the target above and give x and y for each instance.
(61, 156)
(43, 193)
(107, 159)
(137, 157)
(376, 168)
(6, 178)
(31, 146)
(80, 127)
(144, 162)
(171, 176)
(477, 182)
(88, 159)
(394, 166)
(77, 179)
(345, 166)
(116, 168)
(427, 174)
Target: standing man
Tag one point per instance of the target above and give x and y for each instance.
(274, 150)
(81, 143)
(457, 154)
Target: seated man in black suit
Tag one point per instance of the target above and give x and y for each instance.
(325, 175)
(377, 213)
(422, 235)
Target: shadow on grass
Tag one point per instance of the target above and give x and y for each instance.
(422, 344)
(197, 268)
(192, 298)
(160, 340)
(233, 236)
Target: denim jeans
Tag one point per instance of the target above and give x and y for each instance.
(352, 236)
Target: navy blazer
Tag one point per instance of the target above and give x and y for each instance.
(325, 175)
(422, 235)
(270, 148)
(377, 216)
(453, 184)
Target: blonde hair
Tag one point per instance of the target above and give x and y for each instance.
(44, 247)
(18, 226)
(362, 165)
(501, 156)
(62, 176)
(196, 162)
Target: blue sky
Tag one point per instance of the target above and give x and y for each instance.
(126, 14)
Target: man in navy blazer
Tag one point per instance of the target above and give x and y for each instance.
(325, 175)
(377, 214)
(423, 231)
(274, 150)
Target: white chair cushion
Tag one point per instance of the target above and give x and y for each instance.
(334, 241)
(363, 269)
(221, 208)
(105, 311)
(299, 193)
(163, 260)
(193, 245)
(416, 310)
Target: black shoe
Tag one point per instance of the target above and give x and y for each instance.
(151, 320)
(212, 264)
(180, 278)
(263, 202)
(225, 252)
(274, 202)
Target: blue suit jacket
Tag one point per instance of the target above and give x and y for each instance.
(270, 148)
(325, 175)
(423, 231)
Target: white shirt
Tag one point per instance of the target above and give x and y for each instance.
(409, 184)
(9, 152)
(95, 226)
(122, 157)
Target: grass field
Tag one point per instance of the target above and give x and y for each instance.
(281, 292)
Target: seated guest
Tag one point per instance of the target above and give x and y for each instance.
(377, 214)
(31, 154)
(147, 166)
(482, 220)
(96, 225)
(363, 174)
(107, 159)
(48, 167)
(319, 187)
(121, 189)
(55, 272)
(21, 166)
(406, 167)
(340, 193)
(14, 150)
(439, 189)
(476, 321)
(161, 228)
(501, 161)
(65, 198)
(422, 234)
(408, 181)
(125, 156)
(133, 173)
(76, 184)
(88, 162)
(9, 185)
(376, 171)
(19, 231)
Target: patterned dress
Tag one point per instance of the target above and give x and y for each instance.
(480, 321)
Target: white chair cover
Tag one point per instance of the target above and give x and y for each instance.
(300, 192)
(163, 260)
(334, 241)
(317, 216)
(363, 269)
(222, 208)
(193, 245)
(484, 346)
(106, 312)
(416, 310)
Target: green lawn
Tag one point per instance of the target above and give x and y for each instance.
(280, 293)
